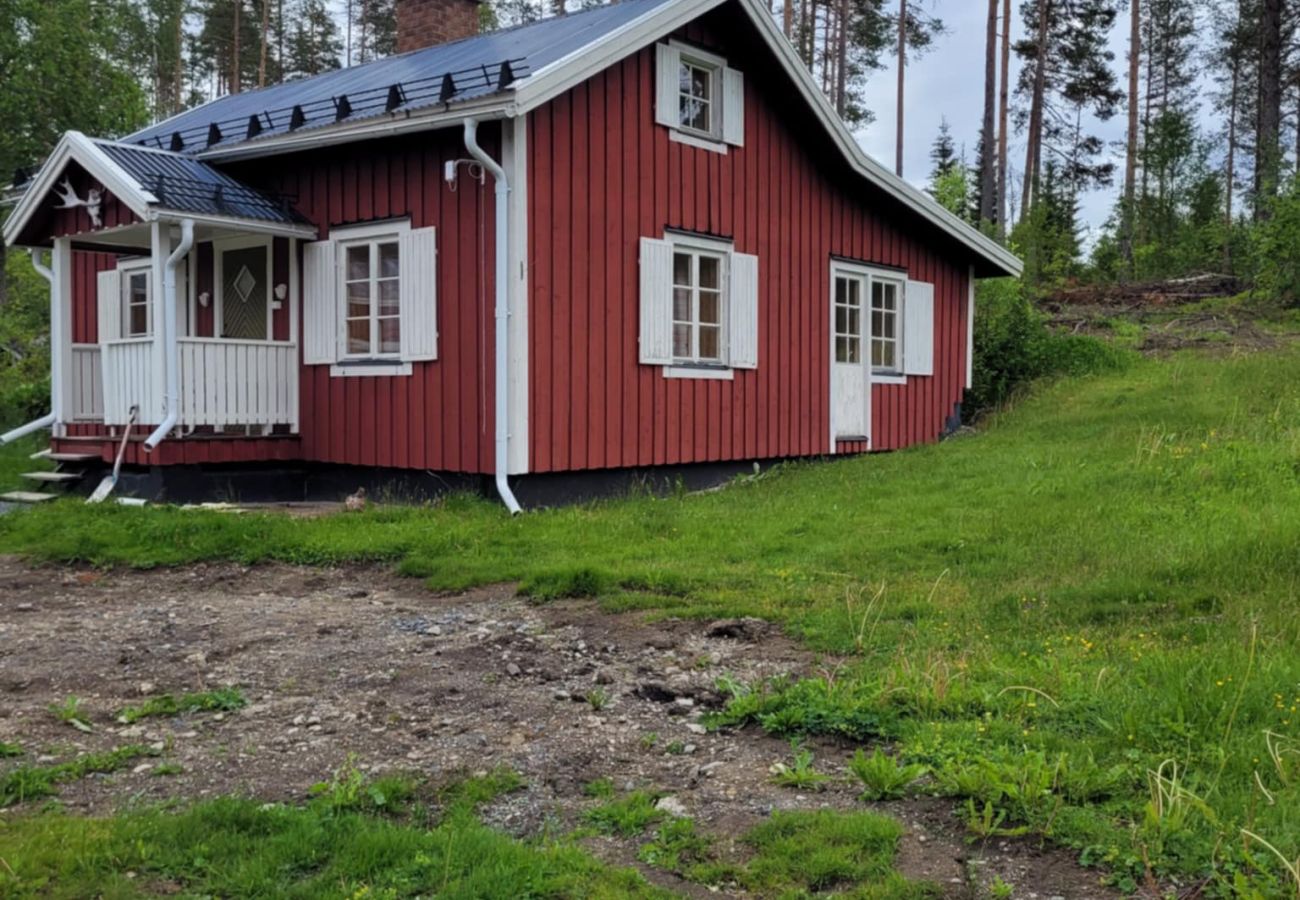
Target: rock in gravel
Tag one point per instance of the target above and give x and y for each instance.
(560, 694)
(672, 806)
(513, 670)
(696, 728)
(746, 629)
(25, 607)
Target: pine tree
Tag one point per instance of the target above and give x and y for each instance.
(943, 152)
(377, 28)
(314, 45)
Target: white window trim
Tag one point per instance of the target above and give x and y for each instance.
(702, 59)
(874, 274)
(126, 269)
(895, 374)
(352, 365)
(219, 248)
(692, 139)
(724, 249)
(700, 372)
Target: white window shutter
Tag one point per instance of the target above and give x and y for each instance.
(742, 314)
(668, 60)
(918, 329)
(110, 304)
(419, 294)
(321, 322)
(733, 107)
(656, 302)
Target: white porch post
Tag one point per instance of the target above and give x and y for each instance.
(159, 248)
(294, 338)
(61, 334)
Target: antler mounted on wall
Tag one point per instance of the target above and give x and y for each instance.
(93, 203)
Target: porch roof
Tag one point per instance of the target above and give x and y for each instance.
(155, 185)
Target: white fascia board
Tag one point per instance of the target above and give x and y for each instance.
(493, 107)
(77, 147)
(556, 78)
(233, 223)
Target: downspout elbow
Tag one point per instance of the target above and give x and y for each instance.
(502, 316)
(169, 338)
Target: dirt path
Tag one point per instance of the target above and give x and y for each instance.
(357, 661)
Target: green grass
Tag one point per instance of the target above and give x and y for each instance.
(626, 816)
(1103, 582)
(240, 848)
(221, 700)
(14, 462)
(27, 783)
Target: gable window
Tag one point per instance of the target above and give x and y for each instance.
(886, 331)
(370, 299)
(135, 304)
(698, 306)
(372, 277)
(698, 97)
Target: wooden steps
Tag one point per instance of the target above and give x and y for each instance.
(27, 497)
(53, 477)
(73, 457)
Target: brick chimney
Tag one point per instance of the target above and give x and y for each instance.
(424, 23)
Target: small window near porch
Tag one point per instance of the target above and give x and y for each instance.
(886, 352)
(372, 283)
(135, 304)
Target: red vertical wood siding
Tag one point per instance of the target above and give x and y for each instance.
(602, 175)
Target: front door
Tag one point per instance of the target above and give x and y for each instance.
(245, 293)
(850, 385)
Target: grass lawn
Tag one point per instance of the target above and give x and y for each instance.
(1081, 621)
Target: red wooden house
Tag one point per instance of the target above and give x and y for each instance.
(626, 238)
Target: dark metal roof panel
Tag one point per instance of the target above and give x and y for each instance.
(188, 185)
(474, 64)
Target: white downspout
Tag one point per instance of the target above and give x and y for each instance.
(171, 352)
(47, 420)
(502, 314)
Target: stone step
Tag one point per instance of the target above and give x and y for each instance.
(27, 497)
(73, 457)
(53, 477)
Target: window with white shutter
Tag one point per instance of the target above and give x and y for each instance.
(698, 97)
(699, 307)
(370, 304)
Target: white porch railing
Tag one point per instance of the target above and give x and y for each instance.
(87, 381)
(228, 382)
(223, 383)
(130, 380)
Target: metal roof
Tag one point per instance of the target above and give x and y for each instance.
(187, 185)
(444, 74)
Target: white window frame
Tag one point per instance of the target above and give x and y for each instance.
(694, 365)
(712, 138)
(219, 248)
(891, 374)
(370, 363)
(129, 270)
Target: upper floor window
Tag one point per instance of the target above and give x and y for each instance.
(699, 98)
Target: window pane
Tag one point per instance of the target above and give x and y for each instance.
(888, 321)
(700, 82)
(877, 329)
(710, 308)
(694, 113)
(876, 354)
(710, 272)
(684, 78)
(889, 296)
(710, 342)
(841, 321)
(887, 351)
(681, 304)
(359, 299)
(855, 292)
(388, 261)
(681, 341)
(390, 335)
(855, 350)
(139, 320)
(682, 269)
(389, 297)
(855, 327)
(358, 263)
(358, 335)
(841, 350)
(841, 290)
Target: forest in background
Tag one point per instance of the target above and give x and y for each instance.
(1207, 181)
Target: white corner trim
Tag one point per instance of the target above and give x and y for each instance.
(970, 329)
(700, 373)
(692, 140)
(361, 370)
(882, 378)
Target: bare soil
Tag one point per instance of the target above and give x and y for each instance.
(358, 661)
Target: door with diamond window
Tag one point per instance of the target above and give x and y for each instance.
(245, 293)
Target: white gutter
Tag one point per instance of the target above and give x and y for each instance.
(501, 250)
(47, 420)
(171, 349)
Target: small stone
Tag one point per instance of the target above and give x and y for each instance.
(25, 607)
(560, 694)
(146, 687)
(684, 702)
(696, 728)
(688, 749)
(513, 670)
(300, 720)
(433, 630)
(672, 806)
(142, 768)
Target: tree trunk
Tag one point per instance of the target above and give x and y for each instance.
(842, 59)
(988, 173)
(1231, 173)
(1033, 153)
(1004, 188)
(787, 17)
(234, 53)
(178, 70)
(902, 77)
(1267, 150)
(1131, 152)
(266, 41)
